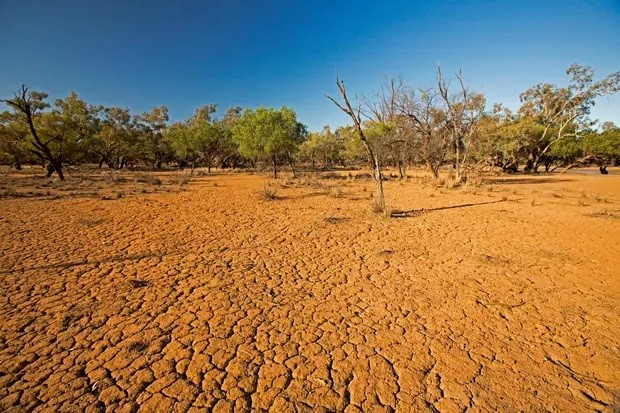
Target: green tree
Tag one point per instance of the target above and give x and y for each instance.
(33, 127)
(115, 138)
(229, 150)
(155, 149)
(603, 147)
(324, 147)
(268, 134)
(201, 139)
(563, 111)
(13, 148)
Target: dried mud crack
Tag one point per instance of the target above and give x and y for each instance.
(215, 300)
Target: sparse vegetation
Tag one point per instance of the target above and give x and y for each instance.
(268, 193)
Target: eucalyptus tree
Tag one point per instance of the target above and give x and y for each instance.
(563, 112)
(155, 149)
(116, 137)
(229, 150)
(267, 134)
(325, 148)
(13, 148)
(54, 136)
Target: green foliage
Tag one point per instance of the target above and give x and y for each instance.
(324, 148)
(201, 139)
(603, 146)
(268, 134)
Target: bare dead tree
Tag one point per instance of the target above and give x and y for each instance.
(29, 104)
(356, 117)
(463, 108)
(426, 123)
(383, 108)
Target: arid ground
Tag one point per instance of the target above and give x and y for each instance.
(134, 293)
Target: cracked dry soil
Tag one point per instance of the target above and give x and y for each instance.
(214, 300)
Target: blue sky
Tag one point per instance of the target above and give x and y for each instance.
(139, 54)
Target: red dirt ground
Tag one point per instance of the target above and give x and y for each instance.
(213, 299)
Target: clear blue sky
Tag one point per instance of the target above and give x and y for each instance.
(139, 54)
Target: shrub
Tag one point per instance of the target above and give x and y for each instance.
(268, 193)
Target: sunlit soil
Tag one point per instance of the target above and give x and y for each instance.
(234, 292)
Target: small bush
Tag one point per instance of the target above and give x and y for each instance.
(335, 192)
(148, 179)
(451, 182)
(268, 193)
(474, 181)
(363, 176)
(8, 192)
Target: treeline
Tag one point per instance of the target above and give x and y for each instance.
(71, 131)
(399, 125)
(448, 123)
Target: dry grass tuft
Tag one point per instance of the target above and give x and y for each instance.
(605, 213)
(473, 181)
(268, 193)
(336, 192)
(8, 192)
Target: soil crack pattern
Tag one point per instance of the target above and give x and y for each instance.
(214, 299)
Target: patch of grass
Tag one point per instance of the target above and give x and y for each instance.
(336, 192)
(451, 182)
(362, 176)
(8, 192)
(268, 193)
(330, 175)
(148, 179)
(473, 181)
(182, 180)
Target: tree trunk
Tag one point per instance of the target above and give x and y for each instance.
(55, 167)
(457, 164)
(376, 174)
(16, 164)
(292, 168)
(275, 167)
(434, 169)
(58, 169)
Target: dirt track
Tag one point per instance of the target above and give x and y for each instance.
(212, 298)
